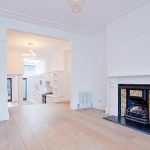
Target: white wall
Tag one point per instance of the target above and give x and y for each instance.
(55, 58)
(66, 65)
(41, 67)
(129, 44)
(3, 75)
(32, 87)
(67, 74)
(89, 70)
(53, 62)
(15, 64)
(128, 51)
(99, 71)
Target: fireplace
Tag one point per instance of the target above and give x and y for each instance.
(133, 103)
(138, 113)
(133, 107)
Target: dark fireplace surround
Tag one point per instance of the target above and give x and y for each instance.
(133, 107)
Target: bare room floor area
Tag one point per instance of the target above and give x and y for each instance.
(56, 127)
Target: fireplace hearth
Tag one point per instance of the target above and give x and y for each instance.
(133, 107)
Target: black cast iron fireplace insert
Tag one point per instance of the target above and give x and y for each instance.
(133, 103)
(137, 105)
(133, 107)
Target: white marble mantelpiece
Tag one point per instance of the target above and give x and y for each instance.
(112, 89)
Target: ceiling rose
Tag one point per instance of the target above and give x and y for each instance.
(76, 5)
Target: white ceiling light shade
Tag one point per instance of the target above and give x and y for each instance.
(76, 5)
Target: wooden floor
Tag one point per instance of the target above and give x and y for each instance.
(56, 127)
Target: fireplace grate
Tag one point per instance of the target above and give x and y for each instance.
(136, 119)
(137, 112)
(134, 103)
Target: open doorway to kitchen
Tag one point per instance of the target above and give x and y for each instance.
(42, 65)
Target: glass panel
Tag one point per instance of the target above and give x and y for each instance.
(9, 89)
(24, 89)
(137, 93)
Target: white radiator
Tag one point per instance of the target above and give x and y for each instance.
(85, 99)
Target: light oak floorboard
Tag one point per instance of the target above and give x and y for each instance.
(56, 127)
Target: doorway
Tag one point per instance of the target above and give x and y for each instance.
(35, 62)
(9, 89)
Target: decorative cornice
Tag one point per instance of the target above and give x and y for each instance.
(131, 6)
(100, 25)
(44, 22)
